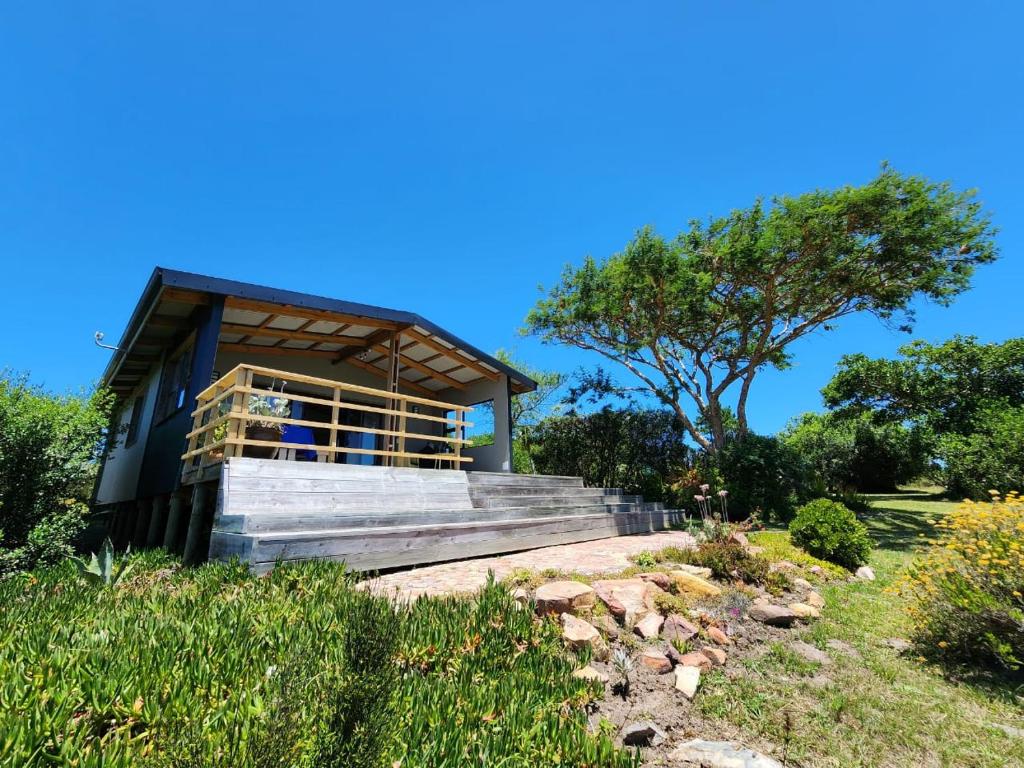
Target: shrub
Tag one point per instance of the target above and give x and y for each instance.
(990, 457)
(828, 530)
(48, 450)
(777, 582)
(765, 477)
(967, 591)
(726, 561)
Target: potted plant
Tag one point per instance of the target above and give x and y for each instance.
(258, 428)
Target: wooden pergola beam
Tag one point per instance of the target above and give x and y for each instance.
(438, 375)
(451, 352)
(282, 333)
(233, 302)
(259, 349)
(369, 340)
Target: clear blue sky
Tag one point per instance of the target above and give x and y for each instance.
(448, 157)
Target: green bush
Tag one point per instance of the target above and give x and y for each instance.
(48, 450)
(726, 561)
(765, 478)
(216, 667)
(828, 530)
(991, 457)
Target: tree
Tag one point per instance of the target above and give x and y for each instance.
(943, 386)
(968, 396)
(859, 452)
(703, 313)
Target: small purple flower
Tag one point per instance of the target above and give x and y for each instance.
(698, 498)
(705, 487)
(723, 493)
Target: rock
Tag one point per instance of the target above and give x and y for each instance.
(687, 681)
(627, 599)
(521, 596)
(802, 584)
(718, 636)
(814, 599)
(715, 655)
(695, 659)
(865, 573)
(644, 734)
(898, 644)
(752, 550)
(678, 628)
(649, 626)
(738, 537)
(659, 578)
(783, 565)
(694, 570)
(843, 647)
(589, 673)
(656, 660)
(580, 634)
(805, 611)
(1011, 731)
(563, 597)
(808, 652)
(719, 754)
(606, 624)
(687, 582)
(773, 615)
(817, 570)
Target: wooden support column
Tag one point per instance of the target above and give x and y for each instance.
(175, 515)
(145, 508)
(197, 519)
(335, 415)
(157, 522)
(239, 412)
(394, 369)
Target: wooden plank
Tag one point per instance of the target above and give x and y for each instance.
(451, 352)
(291, 310)
(259, 349)
(338, 449)
(181, 296)
(367, 341)
(343, 428)
(426, 369)
(283, 333)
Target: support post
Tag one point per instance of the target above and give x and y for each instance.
(196, 521)
(157, 522)
(144, 507)
(335, 415)
(239, 411)
(174, 518)
(394, 369)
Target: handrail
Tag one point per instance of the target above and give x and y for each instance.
(221, 417)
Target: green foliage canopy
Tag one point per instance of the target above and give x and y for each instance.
(696, 315)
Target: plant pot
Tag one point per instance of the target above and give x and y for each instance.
(270, 434)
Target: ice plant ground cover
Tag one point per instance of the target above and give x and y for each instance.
(213, 666)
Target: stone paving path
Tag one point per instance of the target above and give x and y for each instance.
(591, 557)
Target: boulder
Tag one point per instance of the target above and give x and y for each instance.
(696, 585)
(606, 624)
(783, 565)
(715, 655)
(817, 570)
(814, 599)
(773, 615)
(695, 570)
(579, 634)
(687, 681)
(738, 537)
(649, 626)
(678, 628)
(719, 754)
(695, 659)
(898, 644)
(627, 599)
(643, 734)
(718, 636)
(563, 597)
(866, 573)
(659, 578)
(589, 673)
(804, 611)
(802, 584)
(521, 596)
(656, 660)
(808, 652)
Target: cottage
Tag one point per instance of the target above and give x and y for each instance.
(272, 425)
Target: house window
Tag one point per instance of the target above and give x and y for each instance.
(173, 384)
(135, 421)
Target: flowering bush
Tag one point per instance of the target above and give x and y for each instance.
(967, 591)
(828, 530)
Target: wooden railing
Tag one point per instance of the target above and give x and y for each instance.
(222, 419)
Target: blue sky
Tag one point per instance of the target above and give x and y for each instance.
(448, 158)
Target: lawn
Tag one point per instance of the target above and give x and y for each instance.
(872, 706)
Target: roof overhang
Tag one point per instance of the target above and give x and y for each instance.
(264, 320)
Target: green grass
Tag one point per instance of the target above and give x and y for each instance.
(881, 708)
(216, 667)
